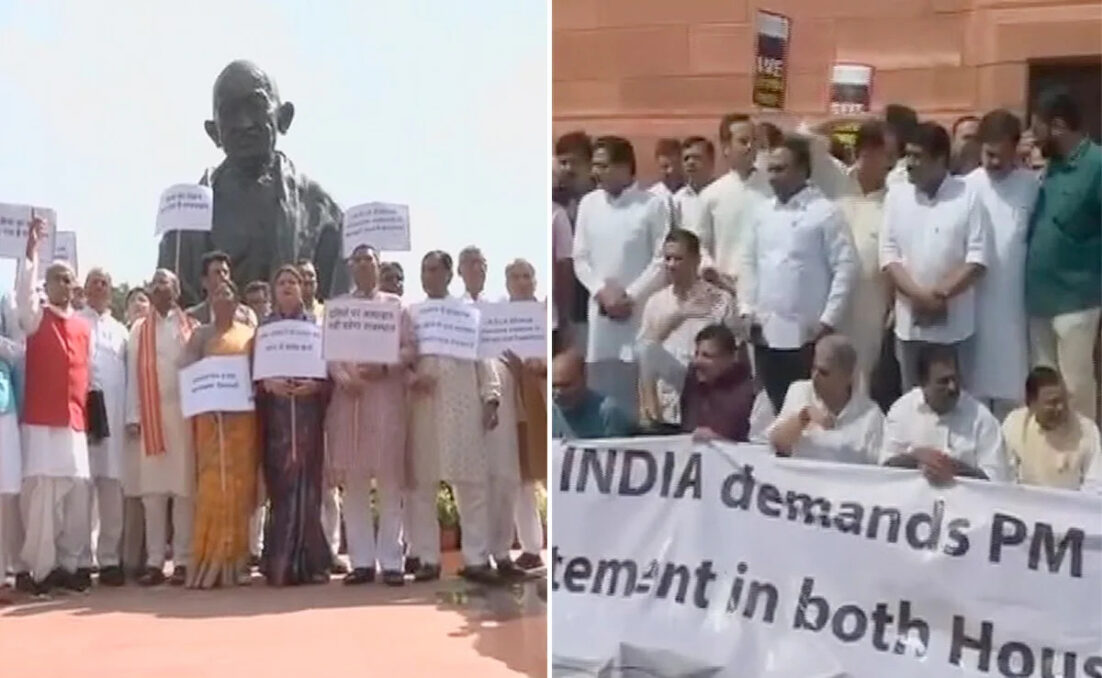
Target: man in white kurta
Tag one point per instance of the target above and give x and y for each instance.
(941, 429)
(731, 200)
(934, 246)
(502, 447)
(863, 208)
(106, 457)
(798, 270)
(55, 492)
(699, 159)
(616, 245)
(999, 351)
(153, 411)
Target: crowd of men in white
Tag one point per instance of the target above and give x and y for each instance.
(934, 305)
(72, 502)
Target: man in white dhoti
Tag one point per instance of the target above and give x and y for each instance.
(154, 412)
(105, 453)
(55, 492)
(999, 350)
(617, 243)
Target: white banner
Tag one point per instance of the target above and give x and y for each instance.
(216, 384)
(446, 327)
(721, 560)
(288, 349)
(362, 331)
(519, 326)
(14, 224)
(185, 207)
(384, 226)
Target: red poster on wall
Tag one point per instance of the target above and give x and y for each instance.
(771, 59)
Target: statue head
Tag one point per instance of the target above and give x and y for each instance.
(248, 114)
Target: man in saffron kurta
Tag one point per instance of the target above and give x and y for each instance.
(366, 439)
(55, 492)
(106, 455)
(167, 469)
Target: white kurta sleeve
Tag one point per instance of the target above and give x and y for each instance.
(842, 258)
(890, 250)
(27, 303)
(11, 351)
(706, 230)
(874, 436)
(133, 404)
(583, 252)
(653, 277)
(980, 244)
(747, 283)
(894, 440)
(489, 384)
(991, 457)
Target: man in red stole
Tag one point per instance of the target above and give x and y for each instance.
(167, 465)
(56, 480)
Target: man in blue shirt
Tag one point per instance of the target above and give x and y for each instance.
(577, 411)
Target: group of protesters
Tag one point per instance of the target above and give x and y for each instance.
(103, 477)
(927, 298)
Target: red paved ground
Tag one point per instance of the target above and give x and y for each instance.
(447, 629)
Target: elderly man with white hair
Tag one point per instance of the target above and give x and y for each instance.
(154, 413)
(107, 435)
(55, 492)
(828, 417)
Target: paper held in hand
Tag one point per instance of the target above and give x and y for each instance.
(185, 207)
(447, 327)
(288, 349)
(384, 226)
(362, 331)
(14, 223)
(216, 384)
(517, 326)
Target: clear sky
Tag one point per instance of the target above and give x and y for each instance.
(438, 104)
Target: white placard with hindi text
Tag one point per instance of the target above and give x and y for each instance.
(185, 207)
(65, 250)
(447, 328)
(14, 223)
(288, 349)
(517, 326)
(362, 331)
(216, 384)
(384, 226)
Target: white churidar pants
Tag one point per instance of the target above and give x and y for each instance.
(423, 523)
(485, 519)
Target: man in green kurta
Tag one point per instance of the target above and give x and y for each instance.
(266, 213)
(1063, 271)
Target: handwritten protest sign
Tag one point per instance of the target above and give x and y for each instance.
(447, 328)
(64, 250)
(216, 384)
(722, 560)
(517, 326)
(384, 226)
(14, 223)
(288, 349)
(362, 331)
(185, 207)
(771, 59)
